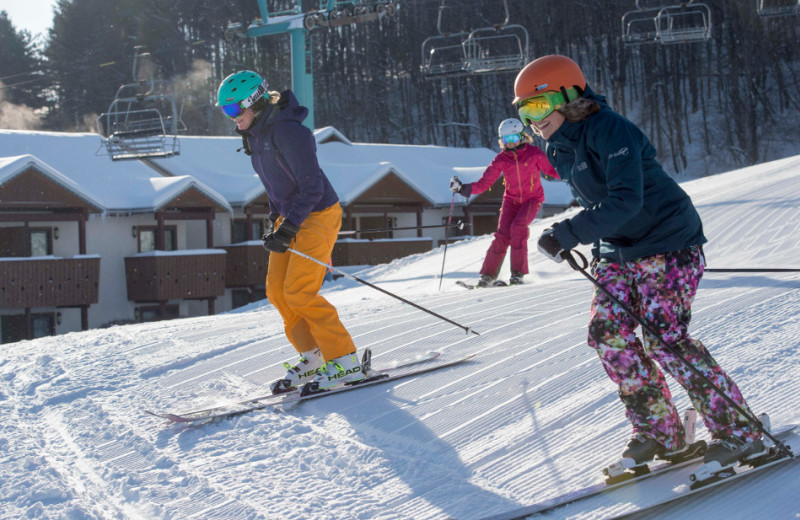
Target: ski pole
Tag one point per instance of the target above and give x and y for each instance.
(567, 255)
(384, 291)
(459, 225)
(446, 238)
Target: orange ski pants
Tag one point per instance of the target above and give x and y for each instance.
(293, 285)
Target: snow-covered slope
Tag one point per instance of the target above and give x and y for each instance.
(532, 417)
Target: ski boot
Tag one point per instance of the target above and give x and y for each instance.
(641, 450)
(304, 371)
(336, 372)
(516, 278)
(726, 454)
(485, 281)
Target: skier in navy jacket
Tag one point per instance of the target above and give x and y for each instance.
(646, 238)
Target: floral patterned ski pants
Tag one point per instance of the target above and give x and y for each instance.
(660, 289)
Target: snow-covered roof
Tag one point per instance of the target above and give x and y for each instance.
(10, 167)
(116, 185)
(224, 174)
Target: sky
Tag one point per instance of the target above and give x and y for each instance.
(531, 417)
(35, 16)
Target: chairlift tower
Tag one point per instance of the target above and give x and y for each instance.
(502, 47)
(331, 13)
(143, 120)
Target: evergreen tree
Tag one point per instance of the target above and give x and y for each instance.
(23, 80)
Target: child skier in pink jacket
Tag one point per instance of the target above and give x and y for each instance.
(520, 163)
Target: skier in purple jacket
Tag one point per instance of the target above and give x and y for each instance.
(305, 216)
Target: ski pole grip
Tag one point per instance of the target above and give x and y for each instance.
(567, 255)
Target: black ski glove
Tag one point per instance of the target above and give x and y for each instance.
(278, 241)
(550, 246)
(269, 225)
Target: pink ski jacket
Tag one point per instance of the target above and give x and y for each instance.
(520, 168)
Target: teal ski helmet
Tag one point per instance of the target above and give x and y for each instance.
(240, 91)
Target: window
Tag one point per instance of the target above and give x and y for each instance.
(20, 242)
(41, 243)
(154, 313)
(239, 230)
(484, 224)
(147, 238)
(381, 222)
(240, 297)
(14, 327)
(43, 325)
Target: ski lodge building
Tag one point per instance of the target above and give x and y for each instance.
(88, 242)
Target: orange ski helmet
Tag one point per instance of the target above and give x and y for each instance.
(552, 72)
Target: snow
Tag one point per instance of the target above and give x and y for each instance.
(533, 416)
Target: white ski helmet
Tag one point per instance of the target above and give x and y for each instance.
(510, 127)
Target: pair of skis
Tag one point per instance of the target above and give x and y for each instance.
(418, 365)
(655, 469)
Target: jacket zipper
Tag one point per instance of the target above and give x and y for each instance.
(519, 177)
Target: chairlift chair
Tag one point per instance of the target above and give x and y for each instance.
(444, 56)
(335, 13)
(685, 23)
(775, 8)
(496, 49)
(639, 26)
(142, 120)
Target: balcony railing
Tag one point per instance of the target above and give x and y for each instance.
(49, 282)
(374, 252)
(246, 264)
(167, 275)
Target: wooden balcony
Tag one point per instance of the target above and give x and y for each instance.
(49, 282)
(246, 264)
(169, 275)
(374, 252)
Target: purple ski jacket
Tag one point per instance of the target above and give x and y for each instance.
(284, 155)
(520, 168)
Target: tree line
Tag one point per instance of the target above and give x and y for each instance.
(707, 106)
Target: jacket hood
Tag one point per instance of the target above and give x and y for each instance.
(287, 109)
(588, 93)
(579, 109)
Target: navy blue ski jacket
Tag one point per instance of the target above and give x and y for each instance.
(284, 155)
(632, 208)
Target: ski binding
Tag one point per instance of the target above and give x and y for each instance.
(627, 468)
(713, 471)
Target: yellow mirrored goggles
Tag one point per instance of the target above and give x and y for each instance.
(538, 107)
